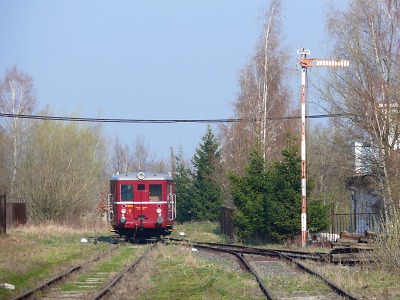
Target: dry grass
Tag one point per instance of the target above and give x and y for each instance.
(141, 281)
(300, 285)
(89, 224)
(31, 253)
(174, 272)
(364, 281)
(387, 244)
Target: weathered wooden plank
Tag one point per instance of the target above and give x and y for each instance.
(352, 257)
(365, 240)
(345, 240)
(348, 245)
(349, 235)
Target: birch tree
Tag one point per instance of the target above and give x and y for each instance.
(263, 98)
(367, 33)
(16, 98)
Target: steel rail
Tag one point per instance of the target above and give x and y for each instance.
(108, 288)
(319, 256)
(247, 266)
(337, 289)
(286, 254)
(59, 277)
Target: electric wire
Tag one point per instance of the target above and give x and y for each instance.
(156, 121)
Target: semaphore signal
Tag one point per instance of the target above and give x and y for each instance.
(307, 63)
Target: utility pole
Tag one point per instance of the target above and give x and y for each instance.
(307, 63)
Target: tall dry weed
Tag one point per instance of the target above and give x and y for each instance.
(87, 224)
(387, 244)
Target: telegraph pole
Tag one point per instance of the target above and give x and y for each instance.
(307, 63)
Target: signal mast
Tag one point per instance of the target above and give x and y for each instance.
(307, 63)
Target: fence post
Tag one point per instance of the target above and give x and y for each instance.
(3, 212)
(227, 221)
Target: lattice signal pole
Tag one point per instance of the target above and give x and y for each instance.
(306, 63)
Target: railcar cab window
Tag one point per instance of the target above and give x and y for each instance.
(155, 192)
(126, 192)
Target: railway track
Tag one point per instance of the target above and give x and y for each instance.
(246, 255)
(118, 278)
(86, 282)
(257, 262)
(53, 281)
(314, 256)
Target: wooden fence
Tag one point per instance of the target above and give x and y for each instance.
(12, 212)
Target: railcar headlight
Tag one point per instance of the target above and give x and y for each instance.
(123, 211)
(159, 210)
(122, 220)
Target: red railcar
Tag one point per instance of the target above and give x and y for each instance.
(142, 204)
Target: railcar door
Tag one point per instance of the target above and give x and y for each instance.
(112, 206)
(142, 198)
(170, 202)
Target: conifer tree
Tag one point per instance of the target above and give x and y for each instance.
(284, 205)
(268, 202)
(183, 189)
(207, 191)
(249, 195)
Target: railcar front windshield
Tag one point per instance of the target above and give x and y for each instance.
(126, 192)
(155, 192)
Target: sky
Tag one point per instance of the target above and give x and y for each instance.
(153, 59)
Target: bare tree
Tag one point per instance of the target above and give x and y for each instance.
(122, 160)
(144, 158)
(139, 157)
(330, 166)
(5, 158)
(16, 98)
(263, 98)
(367, 33)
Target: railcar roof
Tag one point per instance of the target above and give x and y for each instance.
(147, 176)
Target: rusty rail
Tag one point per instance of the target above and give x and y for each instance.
(108, 288)
(59, 277)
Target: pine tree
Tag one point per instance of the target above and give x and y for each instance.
(183, 190)
(268, 202)
(249, 196)
(284, 205)
(207, 191)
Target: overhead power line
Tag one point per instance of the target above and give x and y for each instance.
(154, 121)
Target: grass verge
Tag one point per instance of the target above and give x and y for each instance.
(32, 254)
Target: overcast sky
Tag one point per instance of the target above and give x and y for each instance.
(153, 59)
